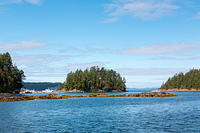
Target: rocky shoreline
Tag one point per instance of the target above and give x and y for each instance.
(6, 97)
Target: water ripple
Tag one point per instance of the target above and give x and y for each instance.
(128, 115)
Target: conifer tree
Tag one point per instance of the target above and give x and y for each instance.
(95, 80)
(10, 76)
(189, 80)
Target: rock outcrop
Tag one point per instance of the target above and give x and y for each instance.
(5, 97)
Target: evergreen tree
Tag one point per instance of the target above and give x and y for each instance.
(189, 80)
(95, 80)
(10, 76)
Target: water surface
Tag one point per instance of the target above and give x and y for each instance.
(128, 115)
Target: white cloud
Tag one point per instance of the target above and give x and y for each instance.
(84, 65)
(87, 50)
(151, 71)
(143, 9)
(110, 20)
(56, 73)
(41, 65)
(177, 58)
(146, 81)
(24, 45)
(37, 2)
(159, 49)
(62, 70)
(39, 59)
(5, 2)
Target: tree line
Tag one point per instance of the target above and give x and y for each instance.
(10, 76)
(95, 79)
(189, 80)
(38, 86)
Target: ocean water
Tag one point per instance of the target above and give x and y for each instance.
(102, 115)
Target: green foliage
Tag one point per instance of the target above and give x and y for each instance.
(190, 80)
(59, 87)
(95, 80)
(10, 76)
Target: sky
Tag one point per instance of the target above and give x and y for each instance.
(146, 41)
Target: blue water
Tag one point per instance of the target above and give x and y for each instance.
(118, 115)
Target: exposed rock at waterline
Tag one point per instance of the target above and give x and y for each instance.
(5, 97)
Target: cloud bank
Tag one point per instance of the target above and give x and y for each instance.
(37, 2)
(142, 9)
(6, 2)
(23, 45)
(39, 59)
(157, 49)
(151, 71)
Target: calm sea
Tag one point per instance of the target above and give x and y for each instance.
(101, 115)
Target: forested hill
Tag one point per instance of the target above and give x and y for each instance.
(38, 86)
(189, 80)
(95, 79)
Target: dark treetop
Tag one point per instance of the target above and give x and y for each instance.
(95, 80)
(10, 76)
(189, 80)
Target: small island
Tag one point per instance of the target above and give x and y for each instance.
(188, 82)
(94, 80)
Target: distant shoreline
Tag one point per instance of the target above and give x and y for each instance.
(176, 90)
(27, 91)
(78, 91)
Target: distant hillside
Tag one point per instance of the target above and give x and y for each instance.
(40, 85)
(189, 80)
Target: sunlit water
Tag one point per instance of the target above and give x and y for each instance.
(82, 115)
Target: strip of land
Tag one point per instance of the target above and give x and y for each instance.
(177, 90)
(6, 97)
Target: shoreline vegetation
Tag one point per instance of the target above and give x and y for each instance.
(177, 90)
(79, 91)
(11, 78)
(8, 97)
(188, 82)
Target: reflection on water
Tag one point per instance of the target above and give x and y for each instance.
(175, 114)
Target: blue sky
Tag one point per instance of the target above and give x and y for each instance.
(147, 41)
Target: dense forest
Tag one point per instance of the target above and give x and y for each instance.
(10, 76)
(38, 86)
(189, 80)
(95, 80)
